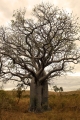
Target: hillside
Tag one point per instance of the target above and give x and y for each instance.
(64, 106)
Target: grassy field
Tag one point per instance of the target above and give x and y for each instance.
(65, 106)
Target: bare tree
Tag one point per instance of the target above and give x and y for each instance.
(38, 50)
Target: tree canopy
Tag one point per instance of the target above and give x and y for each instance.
(40, 48)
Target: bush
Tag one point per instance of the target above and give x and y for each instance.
(19, 93)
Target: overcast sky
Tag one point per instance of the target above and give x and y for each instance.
(7, 7)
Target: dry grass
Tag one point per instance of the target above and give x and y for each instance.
(64, 107)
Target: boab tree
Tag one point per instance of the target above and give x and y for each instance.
(36, 50)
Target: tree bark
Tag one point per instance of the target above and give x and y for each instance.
(35, 96)
(38, 95)
(45, 95)
(32, 95)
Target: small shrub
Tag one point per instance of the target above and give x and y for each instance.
(19, 93)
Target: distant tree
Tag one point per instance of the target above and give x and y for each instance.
(57, 89)
(61, 89)
(34, 51)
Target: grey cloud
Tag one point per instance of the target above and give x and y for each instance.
(68, 82)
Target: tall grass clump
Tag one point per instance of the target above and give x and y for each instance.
(6, 101)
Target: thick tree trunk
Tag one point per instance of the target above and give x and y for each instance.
(45, 95)
(32, 95)
(35, 96)
(38, 96)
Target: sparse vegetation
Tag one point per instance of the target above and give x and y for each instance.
(58, 89)
(19, 93)
(33, 52)
(7, 103)
(65, 107)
